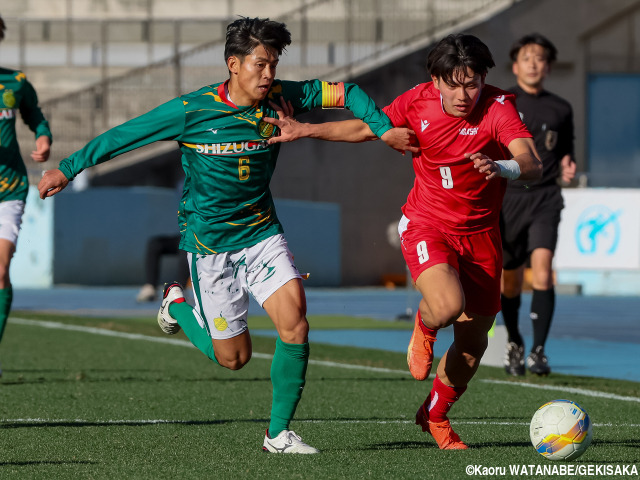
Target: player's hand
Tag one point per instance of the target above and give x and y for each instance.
(52, 182)
(284, 109)
(568, 169)
(43, 149)
(484, 165)
(290, 128)
(401, 140)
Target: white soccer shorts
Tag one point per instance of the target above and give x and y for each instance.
(222, 283)
(11, 219)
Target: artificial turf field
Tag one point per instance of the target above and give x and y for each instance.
(115, 398)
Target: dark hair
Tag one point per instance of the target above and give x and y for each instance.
(455, 53)
(245, 34)
(534, 39)
(3, 27)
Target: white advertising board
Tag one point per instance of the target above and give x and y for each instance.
(600, 229)
(32, 265)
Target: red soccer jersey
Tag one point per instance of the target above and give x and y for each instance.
(448, 193)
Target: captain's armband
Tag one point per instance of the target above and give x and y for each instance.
(332, 95)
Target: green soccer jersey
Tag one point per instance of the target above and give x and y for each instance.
(16, 95)
(226, 202)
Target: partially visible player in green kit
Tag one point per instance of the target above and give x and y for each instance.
(16, 95)
(227, 217)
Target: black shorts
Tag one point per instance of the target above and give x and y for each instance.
(529, 220)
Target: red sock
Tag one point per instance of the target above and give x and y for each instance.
(426, 330)
(441, 399)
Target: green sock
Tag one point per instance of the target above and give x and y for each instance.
(183, 313)
(288, 370)
(6, 296)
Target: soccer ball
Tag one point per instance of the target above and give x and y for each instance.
(560, 430)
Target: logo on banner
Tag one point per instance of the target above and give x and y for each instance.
(598, 230)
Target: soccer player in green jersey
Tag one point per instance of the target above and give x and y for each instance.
(16, 95)
(227, 217)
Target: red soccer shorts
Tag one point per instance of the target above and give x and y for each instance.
(477, 258)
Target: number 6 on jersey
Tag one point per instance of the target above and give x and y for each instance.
(243, 168)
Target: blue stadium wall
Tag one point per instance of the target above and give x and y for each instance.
(99, 236)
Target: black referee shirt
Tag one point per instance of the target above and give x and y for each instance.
(549, 118)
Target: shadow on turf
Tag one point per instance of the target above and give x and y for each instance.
(430, 444)
(86, 376)
(124, 423)
(46, 462)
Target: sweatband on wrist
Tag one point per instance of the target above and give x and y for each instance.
(508, 169)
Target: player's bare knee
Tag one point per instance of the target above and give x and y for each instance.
(442, 314)
(511, 284)
(234, 363)
(295, 331)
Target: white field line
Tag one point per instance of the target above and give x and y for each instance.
(185, 343)
(580, 391)
(79, 421)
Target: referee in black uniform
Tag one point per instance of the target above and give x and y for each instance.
(531, 211)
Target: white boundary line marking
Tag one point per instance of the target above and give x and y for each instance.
(265, 356)
(178, 342)
(580, 391)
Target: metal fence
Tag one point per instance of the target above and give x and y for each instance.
(332, 39)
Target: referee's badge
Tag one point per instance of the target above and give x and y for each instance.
(8, 99)
(266, 130)
(551, 140)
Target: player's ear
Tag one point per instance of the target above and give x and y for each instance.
(436, 82)
(233, 64)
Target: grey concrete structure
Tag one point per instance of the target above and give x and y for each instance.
(371, 181)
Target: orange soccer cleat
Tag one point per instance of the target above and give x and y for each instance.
(420, 351)
(441, 432)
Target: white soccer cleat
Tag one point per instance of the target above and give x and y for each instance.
(168, 324)
(286, 442)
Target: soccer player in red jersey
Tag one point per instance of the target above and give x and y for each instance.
(471, 140)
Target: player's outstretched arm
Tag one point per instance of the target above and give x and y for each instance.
(525, 164)
(52, 182)
(353, 131)
(401, 140)
(524, 152)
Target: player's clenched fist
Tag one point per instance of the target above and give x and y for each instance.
(53, 181)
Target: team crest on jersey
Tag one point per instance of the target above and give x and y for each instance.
(8, 98)
(220, 323)
(266, 130)
(551, 140)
